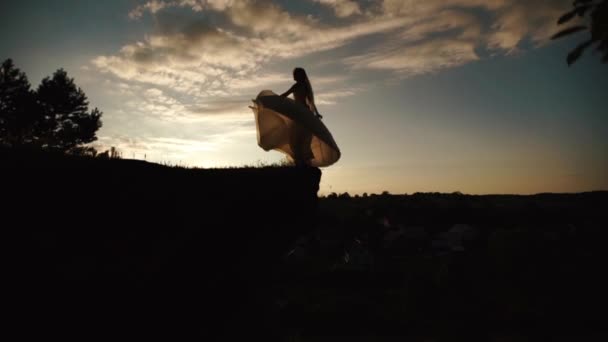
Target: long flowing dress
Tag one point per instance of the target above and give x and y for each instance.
(292, 128)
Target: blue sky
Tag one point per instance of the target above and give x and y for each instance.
(450, 95)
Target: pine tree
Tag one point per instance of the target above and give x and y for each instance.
(17, 106)
(65, 121)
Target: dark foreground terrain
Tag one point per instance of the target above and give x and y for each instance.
(121, 249)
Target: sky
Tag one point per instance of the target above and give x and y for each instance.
(420, 96)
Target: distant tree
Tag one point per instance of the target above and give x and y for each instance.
(598, 27)
(104, 155)
(84, 151)
(112, 153)
(17, 106)
(345, 195)
(65, 121)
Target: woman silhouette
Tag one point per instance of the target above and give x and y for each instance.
(301, 137)
(294, 127)
(302, 91)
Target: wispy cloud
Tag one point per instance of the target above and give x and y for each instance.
(419, 58)
(204, 59)
(331, 97)
(520, 19)
(342, 8)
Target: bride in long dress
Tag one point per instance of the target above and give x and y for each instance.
(294, 127)
(301, 138)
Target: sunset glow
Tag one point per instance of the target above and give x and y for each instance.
(434, 95)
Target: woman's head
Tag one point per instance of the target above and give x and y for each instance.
(299, 75)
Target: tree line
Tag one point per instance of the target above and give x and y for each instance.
(55, 116)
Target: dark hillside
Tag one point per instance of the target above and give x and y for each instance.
(129, 249)
(126, 247)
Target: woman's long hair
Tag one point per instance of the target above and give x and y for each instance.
(299, 74)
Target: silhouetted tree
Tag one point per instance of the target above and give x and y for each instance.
(114, 153)
(84, 151)
(65, 122)
(345, 196)
(55, 116)
(17, 106)
(598, 27)
(104, 155)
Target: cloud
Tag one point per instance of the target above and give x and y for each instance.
(164, 107)
(330, 97)
(421, 58)
(196, 58)
(256, 80)
(150, 6)
(446, 33)
(184, 87)
(513, 20)
(154, 6)
(191, 59)
(428, 7)
(224, 48)
(342, 8)
(521, 19)
(456, 24)
(264, 17)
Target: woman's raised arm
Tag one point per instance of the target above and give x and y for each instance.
(287, 93)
